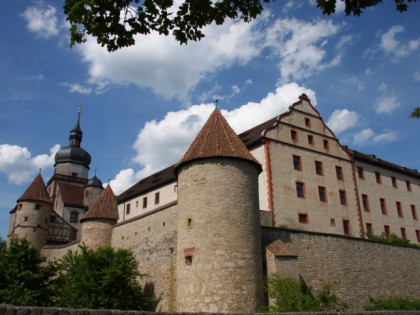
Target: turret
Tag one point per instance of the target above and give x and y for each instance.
(29, 219)
(92, 191)
(219, 266)
(99, 220)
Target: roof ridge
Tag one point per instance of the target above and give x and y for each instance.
(36, 191)
(105, 207)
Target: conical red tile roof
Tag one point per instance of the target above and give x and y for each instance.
(105, 207)
(217, 139)
(36, 191)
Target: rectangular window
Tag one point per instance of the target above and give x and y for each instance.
(339, 172)
(175, 188)
(310, 139)
(144, 202)
(387, 231)
(157, 198)
(365, 201)
(322, 194)
(74, 217)
(382, 202)
(346, 227)
(408, 184)
(369, 230)
(300, 189)
(127, 208)
(394, 182)
(294, 135)
(414, 212)
(399, 209)
(326, 145)
(403, 233)
(297, 163)
(332, 222)
(303, 218)
(319, 169)
(343, 197)
(360, 172)
(308, 122)
(418, 236)
(137, 203)
(37, 206)
(378, 177)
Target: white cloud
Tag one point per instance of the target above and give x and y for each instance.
(162, 143)
(77, 88)
(19, 166)
(386, 104)
(417, 76)
(301, 47)
(368, 136)
(398, 49)
(42, 20)
(342, 119)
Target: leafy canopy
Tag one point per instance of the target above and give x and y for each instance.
(101, 278)
(115, 23)
(25, 278)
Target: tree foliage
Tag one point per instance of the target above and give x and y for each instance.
(25, 278)
(415, 113)
(114, 23)
(392, 303)
(102, 278)
(290, 295)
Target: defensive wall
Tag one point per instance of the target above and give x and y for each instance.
(359, 268)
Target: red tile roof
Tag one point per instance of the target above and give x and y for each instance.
(36, 191)
(279, 249)
(72, 195)
(105, 207)
(217, 139)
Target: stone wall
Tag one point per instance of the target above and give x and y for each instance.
(359, 268)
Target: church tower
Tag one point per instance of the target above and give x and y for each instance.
(219, 266)
(29, 219)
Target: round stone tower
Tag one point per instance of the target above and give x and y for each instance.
(29, 219)
(219, 267)
(98, 221)
(92, 191)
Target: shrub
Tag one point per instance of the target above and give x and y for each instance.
(393, 303)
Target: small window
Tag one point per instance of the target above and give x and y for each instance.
(188, 260)
(303, 218)
(294, 135)
(144, 202)
(326, 145)
(52, 219)
(378, 177)
(188, 255)
(300, 189)
(382, 202)
(365, 201)
(310, 139)
(394, 182)
(332, 222)
(408, 184)
(74, 216)
(319, 170)
(339, 172)
(343, 197)
(399, 209)
(127, 208)
(297, 163)
(360, 172)
(175, 188)
(157, 198)
(74, 174)
(137, 203)
(346, 227)
(322, 194)
(414, 212)
(369, 230)
(19, 206)
(25, 219)
(37, 206)
(387, 231)
(308, 122)
(403, 233)
(418, 236)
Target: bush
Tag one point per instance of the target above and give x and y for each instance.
(291, 295)
(393, 303)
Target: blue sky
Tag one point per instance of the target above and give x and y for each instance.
(142, 106)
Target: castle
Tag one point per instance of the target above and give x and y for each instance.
(283, 197)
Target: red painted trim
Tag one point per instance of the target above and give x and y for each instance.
(269, 180)
(356, 195)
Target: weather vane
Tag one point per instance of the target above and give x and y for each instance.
(79, 108)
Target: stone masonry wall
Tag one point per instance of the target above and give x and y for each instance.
(359, 268)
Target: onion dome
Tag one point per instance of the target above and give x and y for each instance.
(94, 182)
(217, 139)
(105, 207)
(36, 192)
(73, 153)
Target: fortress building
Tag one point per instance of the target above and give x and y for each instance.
(284, 197)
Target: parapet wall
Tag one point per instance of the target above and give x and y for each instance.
(359, 268)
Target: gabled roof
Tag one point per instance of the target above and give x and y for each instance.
(105, 207)
(217, 139)
(71, 195)
(36, 191)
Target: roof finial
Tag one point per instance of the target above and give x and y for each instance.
(79, 109)
(95, 172)
(40, 170)
(216, 104)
